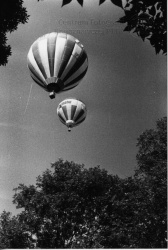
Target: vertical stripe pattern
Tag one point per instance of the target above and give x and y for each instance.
(71, 110)
(57, 56)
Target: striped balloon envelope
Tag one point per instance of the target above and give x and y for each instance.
(57, 62)
(71, 112)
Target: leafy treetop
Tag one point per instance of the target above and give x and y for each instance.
(12, 13)
(74, 207)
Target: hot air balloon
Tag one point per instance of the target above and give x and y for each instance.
(71, 112)
(57, 62)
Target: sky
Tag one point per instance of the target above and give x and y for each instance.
(124, 90)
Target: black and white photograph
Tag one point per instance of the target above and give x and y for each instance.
(83, 124)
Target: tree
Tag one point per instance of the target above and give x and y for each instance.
(137, 217)
(12, 233)
(12, 13)
(146, 18)
(152, 153)
(74, 207)
(152, 176)
(64, 205)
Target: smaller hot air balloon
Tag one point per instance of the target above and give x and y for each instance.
(71, 112)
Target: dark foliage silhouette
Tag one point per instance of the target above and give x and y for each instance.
(147, 19)
(74, 207)
(12, 13)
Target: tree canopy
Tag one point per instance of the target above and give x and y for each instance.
(71, 206)
(12, 13)
(146, 18)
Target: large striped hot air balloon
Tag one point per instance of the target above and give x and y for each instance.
(71, 112)
(57, 62)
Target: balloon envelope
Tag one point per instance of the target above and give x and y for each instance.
(71, 112)
(57, 62)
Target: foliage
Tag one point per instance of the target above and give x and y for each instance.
(137, 217)
(12, 233)
(152, 174)
(116, 2)
(146, 18)
(56, 208)
(152, 149)
(12, 13)
(74, 207)
(68, 1)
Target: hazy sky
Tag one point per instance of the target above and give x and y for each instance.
(124, 90)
